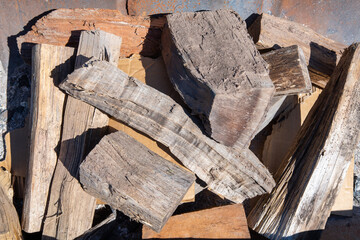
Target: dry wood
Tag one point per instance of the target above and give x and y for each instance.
(9, 221)
(321, 53)
(235, 175)
(131, 178)
(101, 230)
(227, 222)
(288, 70)
(70, 209)
(313, 171)
(63, 26)
(51, 64)
(229, 91)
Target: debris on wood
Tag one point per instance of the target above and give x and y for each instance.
(311, 176)
(235, 175)
(129, 177)
(50, 65)
(321, 53)
(229, 91)
(225, 222)
(83, 125)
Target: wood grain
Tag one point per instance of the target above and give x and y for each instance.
(131, 178)
(63, 26)
(229, 91)
(226, 222)
(321, 53)
(70, 210)
(313, 171)
(51, 64)
(235, 175)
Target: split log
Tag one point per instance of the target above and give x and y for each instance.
(51, 64)
(9, 220)
(229, 91)
(63, 26)
(321, 53)
(227, 222)
(316, 165)
(101, 230)
(235, 175)
(70, 210)
(288, 70)
(134, 180)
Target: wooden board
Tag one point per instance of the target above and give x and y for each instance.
(312, 174)
(153, 73)
(235, 175)
(131, 178)
(50, 65)
(63, 26)
(321, 53)
(288, 70)
(70, 210)
(226, 222)
(229, 91)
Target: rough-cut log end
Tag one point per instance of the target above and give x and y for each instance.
(214, 65)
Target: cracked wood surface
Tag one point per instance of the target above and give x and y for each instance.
(70, 209)
(131, 178)
(313, 171)
(50, 65)
(215, 66)
(235, 175)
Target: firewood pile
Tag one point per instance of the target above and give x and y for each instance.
(138, 113)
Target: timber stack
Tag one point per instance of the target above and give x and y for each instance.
(140, 115)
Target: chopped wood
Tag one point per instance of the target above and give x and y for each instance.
(312, 173)
(50, 65)
(321, 53)
(63, 26)
(235, 175)
(131, 178)
(288, 70)
(226, 222)
(70, 209)
(9, 220)
(101, 230)
(218, 72)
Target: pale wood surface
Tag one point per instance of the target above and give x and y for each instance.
(70, 210)
(235, 175)
(131, 178)
(226, 222)
(229, 91)
(313, 171)
(288, 70)
(63, 26)
(153, 73)
(321, 53)
(50, 65)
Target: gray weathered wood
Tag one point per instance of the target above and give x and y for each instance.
(311, 174)
(288, 70)
(101, 230)
(235, 175)
(131, 178)
(321, 53)
(50, 65)
(70, 209)
(214, 65)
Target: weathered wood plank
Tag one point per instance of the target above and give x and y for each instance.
(9, 221)
(288, 70)
(235, 175)
(226, 222)
(70, 210)
(51, 64)
(63, 26)
(229, 91)
(311, 174)
(131, 178)
(321, 53)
